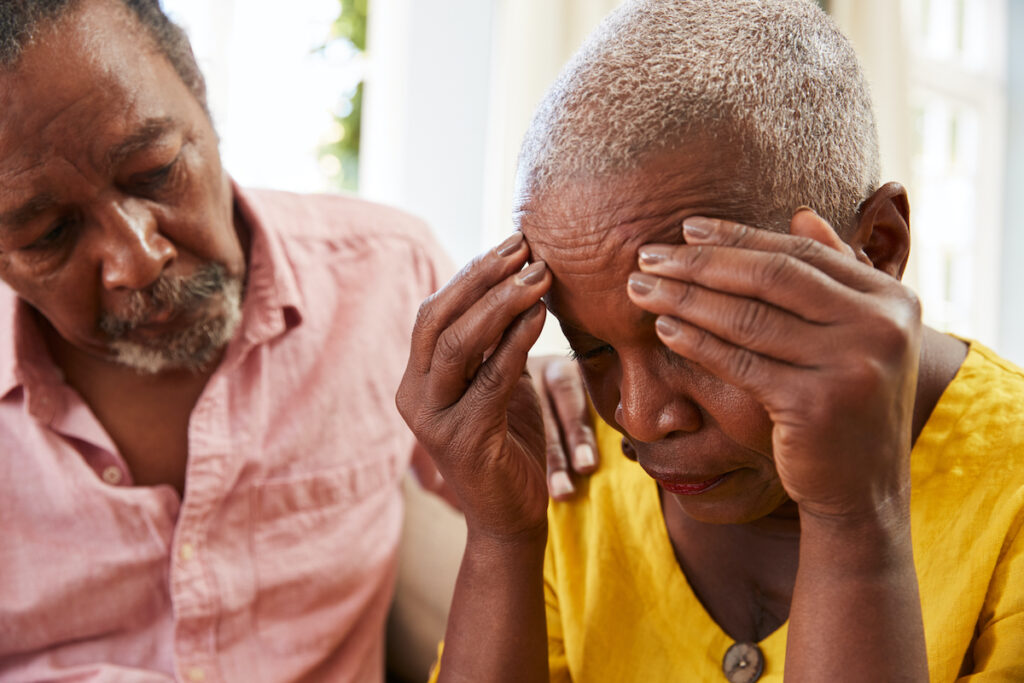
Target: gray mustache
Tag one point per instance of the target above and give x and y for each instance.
(180, 294)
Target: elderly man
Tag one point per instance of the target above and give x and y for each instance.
(199, 451)
(823, 488)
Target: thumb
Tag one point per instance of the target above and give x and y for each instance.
(806, 223)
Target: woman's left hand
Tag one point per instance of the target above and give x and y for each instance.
(826, 343)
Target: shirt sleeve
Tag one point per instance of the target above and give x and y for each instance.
(998, 650)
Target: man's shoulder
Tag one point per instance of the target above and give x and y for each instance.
(338, 219)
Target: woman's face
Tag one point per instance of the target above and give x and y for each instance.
(706, 442)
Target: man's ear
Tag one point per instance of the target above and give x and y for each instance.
(882, 236)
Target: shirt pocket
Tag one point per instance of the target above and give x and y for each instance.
(324, 551)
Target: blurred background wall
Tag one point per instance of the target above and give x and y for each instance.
(422, 105)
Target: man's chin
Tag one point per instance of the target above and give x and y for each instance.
(193, 347)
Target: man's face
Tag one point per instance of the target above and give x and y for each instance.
(116, 218)
(686, 426)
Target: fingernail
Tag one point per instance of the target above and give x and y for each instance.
(652, 255)
(560, 484)
(698, 226)
(510, 246)
(532, 274)
(804, 207)
(667, 326)
(583, 456)
(642, 283)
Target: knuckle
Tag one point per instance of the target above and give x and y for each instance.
(805, 248)
(681, 294)
(861, 382)
(402, 402)
(750, 322)
(742, 363)
(776, 269)
(555, 457)
(694, 258)
(427, 313)
(449, 349)
(741, 233)
(489, 379)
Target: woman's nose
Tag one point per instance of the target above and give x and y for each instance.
(651, 407)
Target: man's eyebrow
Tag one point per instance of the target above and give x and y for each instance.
(18, 217)
(151, 130)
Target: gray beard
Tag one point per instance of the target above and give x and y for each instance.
(192, 348)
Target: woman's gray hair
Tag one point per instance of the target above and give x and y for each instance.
(774, 80)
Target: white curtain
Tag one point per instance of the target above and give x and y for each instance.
(533, 39)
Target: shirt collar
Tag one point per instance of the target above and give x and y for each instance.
(24, 358)
(273, 303)
(9, 320)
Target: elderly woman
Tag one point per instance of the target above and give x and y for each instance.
(822, 486)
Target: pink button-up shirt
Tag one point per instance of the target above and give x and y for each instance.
(278, 563)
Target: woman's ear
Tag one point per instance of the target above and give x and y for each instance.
(882, 235)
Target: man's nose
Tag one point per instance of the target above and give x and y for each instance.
(134, 251)
(651, 405)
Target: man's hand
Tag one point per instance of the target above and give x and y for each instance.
(563, 402)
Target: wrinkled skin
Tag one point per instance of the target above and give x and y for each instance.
(768, 381)
(111, 179)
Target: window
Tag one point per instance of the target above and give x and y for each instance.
(957, 76)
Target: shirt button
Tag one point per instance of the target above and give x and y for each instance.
(187, 551)
(196, 674)
(112, 475)
(743, 663)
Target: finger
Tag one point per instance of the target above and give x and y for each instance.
(774, 277)
(839, 265)
(738, 320)
(559, 482)
(499, 375)
(564, 385)
(742, 368)
(462, 347)
(807, 223)
(465, 288)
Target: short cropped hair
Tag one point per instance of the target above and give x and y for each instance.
(774, 79)
(21, 19)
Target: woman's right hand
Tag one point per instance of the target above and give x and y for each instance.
(467, 397)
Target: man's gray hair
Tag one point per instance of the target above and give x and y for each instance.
(20, 21)
(773, 81)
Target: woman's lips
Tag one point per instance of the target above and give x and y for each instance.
(691, 488)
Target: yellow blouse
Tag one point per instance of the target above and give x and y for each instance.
(620, 609)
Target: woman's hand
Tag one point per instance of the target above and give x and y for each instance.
(466, 395)
(829, 345)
